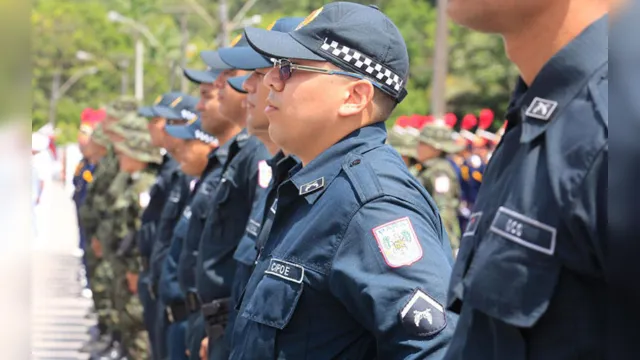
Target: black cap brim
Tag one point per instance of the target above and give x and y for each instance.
(274, 44)
(200, 76)
(146, 111)
(244, 58)
(166, 112)
(236, 83)
(213, 60)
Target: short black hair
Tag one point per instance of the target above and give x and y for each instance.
(384, 105)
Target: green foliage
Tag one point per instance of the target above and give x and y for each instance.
(479, 74)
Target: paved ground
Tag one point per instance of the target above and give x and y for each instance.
(59, 312)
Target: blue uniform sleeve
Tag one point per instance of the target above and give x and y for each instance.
(391, 272)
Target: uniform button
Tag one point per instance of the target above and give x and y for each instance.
(355, 162)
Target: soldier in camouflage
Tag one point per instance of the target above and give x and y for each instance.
(130, 195)
(100, 152)
(438, 175)
(405, 141)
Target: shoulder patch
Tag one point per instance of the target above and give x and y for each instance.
(398, 242)
(144, 199)
(264, 174)
(441, 184)
(423, 315)
(87, 176)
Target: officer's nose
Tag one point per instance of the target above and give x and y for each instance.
(272, 80)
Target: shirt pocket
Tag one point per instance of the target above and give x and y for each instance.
(514, 273)
(272, 305)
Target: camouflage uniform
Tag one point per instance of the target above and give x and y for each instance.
(130, 194)
(92, 212)
(405, 141)
(439, 177)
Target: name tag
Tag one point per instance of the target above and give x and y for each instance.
(253, 227)
(286, 270)
(472, 225)
(524, 231)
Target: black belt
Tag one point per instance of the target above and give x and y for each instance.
(216, 317)
(193, 301)
(176, 312)
(145, 263)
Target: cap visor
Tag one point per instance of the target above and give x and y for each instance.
(236, 83)
(179, 132)
(244, 58)
(146, 111)
(166, 112)
(212, 59)
(274, 44)
(200, 76)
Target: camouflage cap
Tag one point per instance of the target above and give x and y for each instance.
(404, 140)
(99, 136)
(131, 122)
(138, 146)
(441, 137)
(122, 107)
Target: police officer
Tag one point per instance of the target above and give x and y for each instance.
(157, 114)
(225, 130)
(194, 154)
(260, 220)
(438, 175)
(357, 256)
(529, 280)
(239, 189)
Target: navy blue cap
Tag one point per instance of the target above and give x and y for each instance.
(236, 83)
(191, 131)
(354, 37)
(212, 57)
(208, 76)
(173, 106)
(245, 58)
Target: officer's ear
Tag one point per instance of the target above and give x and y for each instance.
(358, 97)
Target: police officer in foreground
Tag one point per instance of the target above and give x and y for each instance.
(225, 130)
(439, 177)
(226, 222)
(166, 107)
(357, 259)
(259, 223)
(530, 280)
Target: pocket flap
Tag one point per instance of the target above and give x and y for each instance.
(276, 296)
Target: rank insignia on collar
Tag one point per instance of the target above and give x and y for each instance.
(423, 316)
(310, 187)
(541, 108)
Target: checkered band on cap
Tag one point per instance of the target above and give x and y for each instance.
(367, 66)
(204, 137)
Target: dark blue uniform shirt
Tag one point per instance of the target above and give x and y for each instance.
(257, 231)
(181, 186)
(241, 184)
(355, 266)
(158, 195)
(196, 212)
(168, 286)
(528, 281)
